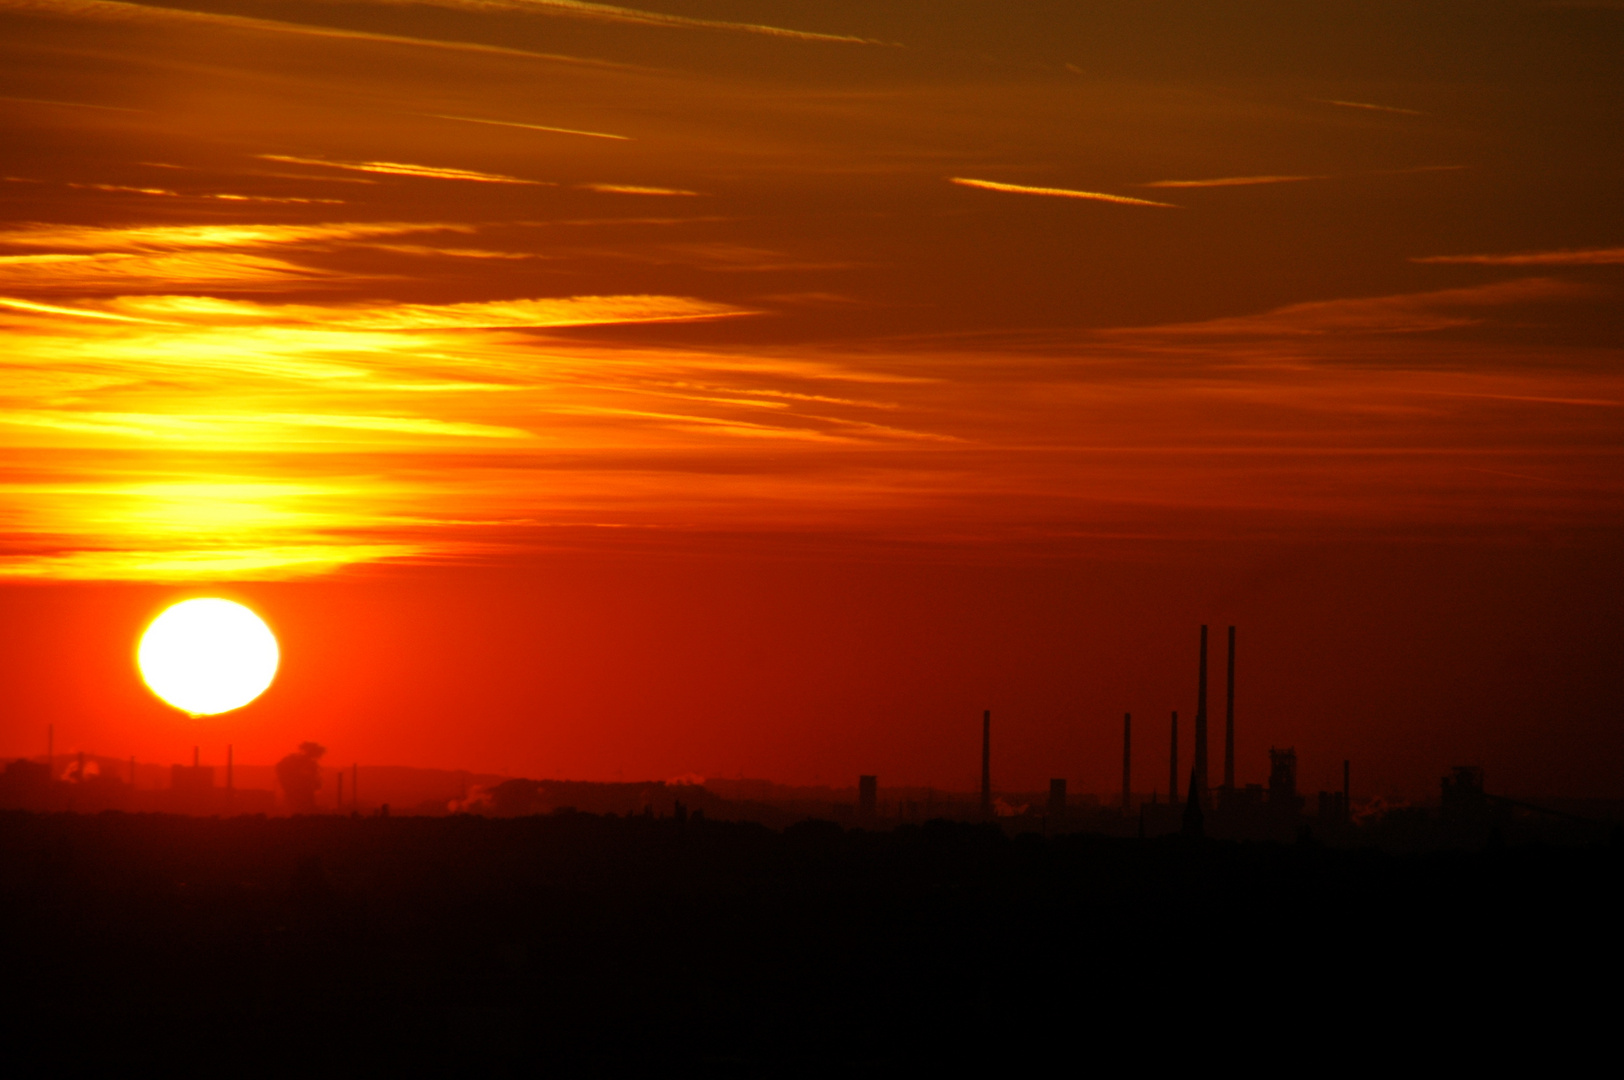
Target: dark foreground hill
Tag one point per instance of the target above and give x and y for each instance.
(577, 942)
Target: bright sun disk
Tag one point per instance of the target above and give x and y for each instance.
(208, 656)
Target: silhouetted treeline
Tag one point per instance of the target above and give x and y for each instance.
(575, 940)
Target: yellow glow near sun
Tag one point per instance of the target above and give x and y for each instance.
(208, 656)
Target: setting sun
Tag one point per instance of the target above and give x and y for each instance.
(208, 656)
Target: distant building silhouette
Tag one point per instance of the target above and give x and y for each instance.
(191, 787)
(1057, 797)
(1463, 795)
(25, 785)
(1283, 797)
(868, 806)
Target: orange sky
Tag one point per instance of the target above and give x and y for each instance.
(767, 388)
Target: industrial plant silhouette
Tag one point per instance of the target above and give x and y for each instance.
(505, 925)
(299, 783)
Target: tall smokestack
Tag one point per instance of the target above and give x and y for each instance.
(1173, 763)
(1199, 790)
(986, 763)
(1127, 758)
(195, 758)
(355, 785)
(1229, 719)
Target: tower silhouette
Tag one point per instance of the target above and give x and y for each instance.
(1127, 758)
(1173, 764)
(1194, 820)
(1198, 786)
(986, 763)
(1229, 720)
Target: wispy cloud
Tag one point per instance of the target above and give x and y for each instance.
(530, 127)
(171, 237)
(222, 196)
(66, 104)
(634, 189)
(103, 271)
(1368, 106)
(1582, 257)
(276, 563)
(562, 311)
(1231, 181)
(1404, 313)
(1064, 193)
(397, 168)
(57, 309)
(118, 11)
(611, 13)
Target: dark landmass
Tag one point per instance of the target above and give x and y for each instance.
(584, 942)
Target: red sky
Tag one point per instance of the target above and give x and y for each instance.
(767, 388)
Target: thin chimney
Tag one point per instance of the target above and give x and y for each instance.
(1229, 719)
(355, 785)
(195, 758)
(1173, 764)
(1127, 758)
(1194, 823)
(986, 763)
(1199, 788)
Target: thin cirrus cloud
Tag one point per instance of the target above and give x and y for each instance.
(1403, 313)
(398, 168)
(170, 237)
(530, 127)
(79, 272)
(221, 196)
(80, 259)
(556, 312)
(1367, 106)
(1063, 193)
(1583, 257)
(1231, 181)
(117, 11)
(634, 189)
(581, 9)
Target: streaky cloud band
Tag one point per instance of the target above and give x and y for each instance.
(1062, 193)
